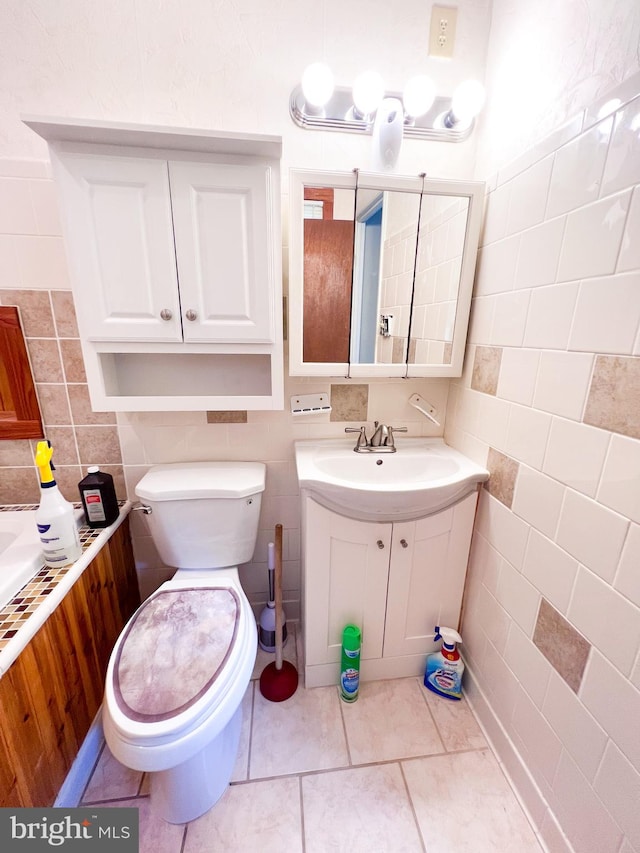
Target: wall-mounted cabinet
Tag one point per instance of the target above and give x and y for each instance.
(381, 273)
(174, 252)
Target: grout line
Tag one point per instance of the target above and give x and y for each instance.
(184, 836)
(344, 729)
(413, 808)
(252, 714)
(115, 800)
(302, 832)
(93, 770)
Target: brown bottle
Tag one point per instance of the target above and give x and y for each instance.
(98, 497)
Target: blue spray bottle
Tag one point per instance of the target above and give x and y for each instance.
(444, 669)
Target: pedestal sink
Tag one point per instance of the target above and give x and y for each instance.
(424, 476)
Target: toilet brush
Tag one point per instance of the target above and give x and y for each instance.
(267, 620)
(279, 680)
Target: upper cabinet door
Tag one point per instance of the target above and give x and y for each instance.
(121, 238)
(223, 250)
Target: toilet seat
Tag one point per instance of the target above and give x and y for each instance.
(150, 728)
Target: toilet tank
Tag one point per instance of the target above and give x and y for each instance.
(204, 514)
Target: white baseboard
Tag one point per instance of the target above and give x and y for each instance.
(531, 798)
(73, 786)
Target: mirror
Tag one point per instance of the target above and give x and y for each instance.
(381, 271)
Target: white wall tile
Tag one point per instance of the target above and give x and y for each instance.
(518, 373)
(528, 198)
(575, 454)
(580, 734)
(592, 238)
(607, 314)
(615, 704)
(550, 316)
(481, 322)
(9, 271)
(584, 819)
(503, 687)
(592, 534)
(538, 500)
(493, 617)
(528, 664)
(606, 619)
(502, 529)
(627, 580)
(618, 786)
(42, 263)
(550, 569)
(542, 744)
(539, 254)
(45, 203)
(496, 266)
(623, 160)
(563, 382)
(509, 319)
(17, 214)
(620, 484)
(495, 217)
(527, 435)
(493, 420)
(577, 171)
(518, 597)
(629, 258)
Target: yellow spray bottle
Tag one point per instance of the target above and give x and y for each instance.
(55, 516)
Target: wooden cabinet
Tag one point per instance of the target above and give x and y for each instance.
(396, 581)
(52, 692)
(174, 244)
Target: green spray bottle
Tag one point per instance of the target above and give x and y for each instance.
(350, 663)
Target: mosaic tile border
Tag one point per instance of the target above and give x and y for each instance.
(25, 602)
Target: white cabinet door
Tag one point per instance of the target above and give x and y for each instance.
(121, 236)
(346, 572)
(223, 250)
(426, 578)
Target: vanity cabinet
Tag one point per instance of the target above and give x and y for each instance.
(50, 695)
(174, 249)
(396, 581)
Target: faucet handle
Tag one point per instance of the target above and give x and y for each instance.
(389, 442)
(362, 438)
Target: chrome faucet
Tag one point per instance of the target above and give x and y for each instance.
(382, 440)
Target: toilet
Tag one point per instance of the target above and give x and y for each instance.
(180, 668)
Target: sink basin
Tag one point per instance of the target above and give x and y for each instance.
(424, 476)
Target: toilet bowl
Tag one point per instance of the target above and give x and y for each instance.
(179, 670)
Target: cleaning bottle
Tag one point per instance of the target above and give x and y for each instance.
(98, 496)
(350, 663)
(444, 669)
(55, 516)
(267, 620)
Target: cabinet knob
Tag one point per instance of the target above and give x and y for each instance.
(191, 314)
(166, 314)
(404, 543)
(380, 544)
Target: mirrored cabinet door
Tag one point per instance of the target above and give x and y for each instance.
(381, 272)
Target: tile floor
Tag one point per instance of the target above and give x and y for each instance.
(399, 770)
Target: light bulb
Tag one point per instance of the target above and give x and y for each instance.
(418, 95)
(368, 91)
(317, 84)
(468, 100)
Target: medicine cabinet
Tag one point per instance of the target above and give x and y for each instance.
(174, 248)
(381, 273)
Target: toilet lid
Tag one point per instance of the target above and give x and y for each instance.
(173, 650)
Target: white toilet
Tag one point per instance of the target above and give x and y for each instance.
(181, 666)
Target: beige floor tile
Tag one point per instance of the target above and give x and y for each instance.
(241, 770)
(390, 720)
(257, 816)
(458, 727)
(156, 835)
(303, 733)
(464, 804)
(111, 780)
(361, 809)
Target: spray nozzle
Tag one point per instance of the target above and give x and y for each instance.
(448, 636)
(44, 452)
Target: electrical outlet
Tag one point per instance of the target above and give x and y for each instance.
(442, 33)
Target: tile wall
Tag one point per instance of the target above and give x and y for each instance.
(550, 400)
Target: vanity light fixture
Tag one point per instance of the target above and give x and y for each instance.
(317, 104)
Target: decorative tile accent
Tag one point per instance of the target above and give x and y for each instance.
(349, 402)
(565, 649)
(14, 614)
(486, 369)
(504, 472)
(239, 417)
(614, 395)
